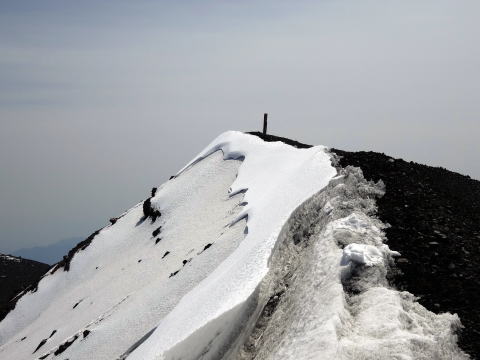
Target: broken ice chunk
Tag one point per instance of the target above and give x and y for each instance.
(363, 254)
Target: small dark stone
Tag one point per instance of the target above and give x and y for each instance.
(174, 273)
(40, 345)
(166, 253)
(85, 333)
(156, 231)
(207, 246)
(74, 306)
(140, 260)
(185, 262)
(149, 211)
(65, 346)
(297, 238)
(157, 240)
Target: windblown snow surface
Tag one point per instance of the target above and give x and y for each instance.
(261, 251)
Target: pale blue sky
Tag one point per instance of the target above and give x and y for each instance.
(101, 100)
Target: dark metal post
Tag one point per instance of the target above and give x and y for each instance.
(265, 123)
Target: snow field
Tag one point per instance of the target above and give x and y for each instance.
(121, 285)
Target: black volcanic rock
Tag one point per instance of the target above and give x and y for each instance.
(148, 210)
(16, 275)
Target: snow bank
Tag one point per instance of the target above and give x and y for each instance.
(330, 298)
(277, 178)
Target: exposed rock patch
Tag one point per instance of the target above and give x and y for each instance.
(148, 211)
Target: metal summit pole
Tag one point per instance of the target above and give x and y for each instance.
(265, 123)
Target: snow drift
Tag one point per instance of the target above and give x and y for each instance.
(254, 250)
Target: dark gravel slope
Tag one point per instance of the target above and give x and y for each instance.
(435, 224)
(17, 274)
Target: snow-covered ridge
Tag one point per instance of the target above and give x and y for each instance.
(276, 179)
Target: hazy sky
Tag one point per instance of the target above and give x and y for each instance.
(101, 100)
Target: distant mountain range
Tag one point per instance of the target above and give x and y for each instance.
(16, 275)
(49, 254)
